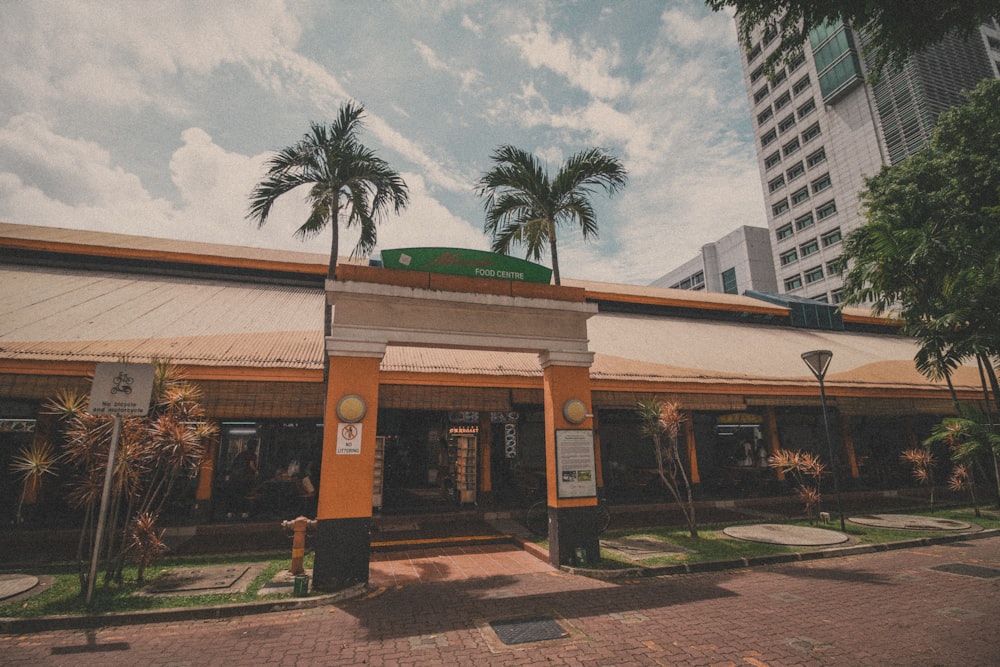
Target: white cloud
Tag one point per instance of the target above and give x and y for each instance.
(590, 72)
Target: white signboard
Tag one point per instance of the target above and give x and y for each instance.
(575, 463)
(122, 389)
(348, 438)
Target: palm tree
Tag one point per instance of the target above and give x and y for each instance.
(524, 206)
(343, 175)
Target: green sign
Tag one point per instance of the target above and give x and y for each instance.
(466, 262)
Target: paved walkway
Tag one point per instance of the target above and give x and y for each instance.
(928, 605)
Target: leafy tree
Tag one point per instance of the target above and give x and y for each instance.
(970, 437)
(154, 452)
(661, 422)
(524, 206)
(930, 247)
(897, 28)
(343, 177)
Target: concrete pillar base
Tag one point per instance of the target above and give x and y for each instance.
(342, 553)
(572, 529)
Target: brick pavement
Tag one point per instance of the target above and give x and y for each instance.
(886, 608)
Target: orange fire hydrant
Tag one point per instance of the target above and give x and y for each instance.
(298, 527)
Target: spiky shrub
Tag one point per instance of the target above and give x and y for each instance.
(661, 422)
(805, 469)
(32, 464)
(923, 463)
(969, 438)
(153, 453)
(144, 544)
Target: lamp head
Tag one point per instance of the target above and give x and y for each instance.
(818, 361)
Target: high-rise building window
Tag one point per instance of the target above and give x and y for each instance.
(811, 133)
(756, 74)
(826, 210)
(807, 108)
(784, 232)
(834, 266)
(800, 196)
(776, 184)
(795, 171)
(760, 95)
(816, 158)
(821, 183)
(814, 274)
(804, 222)
(835, 296)
(789, 257)
(801, 84)
(810, 247)
(769, 137)
(832, 237)
(753, 53)
(764, 116)
(793, 283)
(797, 61)
(772, 160)
(778, 77)
(780, 207)
(786, 123)
(782, 101)
(729, 282)
(790, 147)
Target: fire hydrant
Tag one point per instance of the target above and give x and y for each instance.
(298, 527)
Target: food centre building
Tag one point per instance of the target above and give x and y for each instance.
(446, 391)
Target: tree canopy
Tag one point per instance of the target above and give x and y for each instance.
(342, 175)
(930, 246)
(897, 29)
(524, 205)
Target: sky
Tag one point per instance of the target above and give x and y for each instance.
(157, 118)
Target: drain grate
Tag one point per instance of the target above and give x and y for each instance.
(968, 570)
(526, 630)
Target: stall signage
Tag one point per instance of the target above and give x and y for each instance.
(576, 467)
(121, 389)
(348, 438)
(466, 262)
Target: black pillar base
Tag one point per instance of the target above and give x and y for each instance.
(343, 551)
(572, 529)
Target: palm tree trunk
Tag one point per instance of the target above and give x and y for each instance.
(552, 249)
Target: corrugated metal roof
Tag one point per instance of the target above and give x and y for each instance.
(82, 315)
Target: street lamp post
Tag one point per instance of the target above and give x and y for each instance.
(818, 362)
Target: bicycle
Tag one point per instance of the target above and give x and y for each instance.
(536, 519)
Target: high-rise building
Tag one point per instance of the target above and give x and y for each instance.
(820, 129)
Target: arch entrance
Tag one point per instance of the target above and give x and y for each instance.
(376, 308)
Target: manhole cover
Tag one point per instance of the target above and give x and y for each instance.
(968, 570)
(526, 630)
(641, 548)
(195, 579)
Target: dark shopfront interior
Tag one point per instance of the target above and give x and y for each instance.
(269, 469)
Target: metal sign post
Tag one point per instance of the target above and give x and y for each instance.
(118, 389)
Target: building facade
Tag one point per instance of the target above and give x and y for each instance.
(821, 129)
(739, 261)
(443, 392)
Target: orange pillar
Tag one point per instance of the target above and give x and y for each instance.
(848, 440)
(692, 450)
(344, 507)
(572, 517)
(485, 455)
(206, 477)
(773, 444)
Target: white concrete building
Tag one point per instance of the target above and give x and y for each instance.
(737, 262)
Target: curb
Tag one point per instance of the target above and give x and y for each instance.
(12, 626)
(776, 559)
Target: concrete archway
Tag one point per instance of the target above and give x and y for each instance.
(375, 308)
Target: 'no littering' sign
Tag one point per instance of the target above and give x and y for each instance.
(121, 389)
